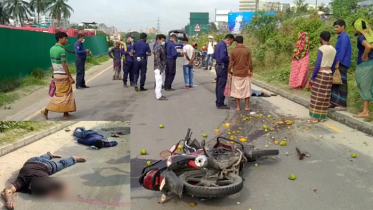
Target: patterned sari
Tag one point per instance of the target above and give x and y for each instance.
(63, 99)
(300, 64)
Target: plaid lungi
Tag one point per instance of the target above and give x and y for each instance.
(320, 96)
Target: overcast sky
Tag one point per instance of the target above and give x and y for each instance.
(142, 14)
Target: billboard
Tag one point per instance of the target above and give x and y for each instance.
(238, 20)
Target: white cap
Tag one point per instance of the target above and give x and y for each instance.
(211, 37)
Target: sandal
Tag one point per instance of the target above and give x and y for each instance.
(44, 114)
(162, 98)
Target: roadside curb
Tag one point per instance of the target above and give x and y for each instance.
(342, 117)
(33, 138)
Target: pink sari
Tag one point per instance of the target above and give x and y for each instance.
(299, 72)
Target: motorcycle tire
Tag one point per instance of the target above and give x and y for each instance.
(211, 192)
(260, 153)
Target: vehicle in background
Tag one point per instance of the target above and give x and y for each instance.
(179, 43)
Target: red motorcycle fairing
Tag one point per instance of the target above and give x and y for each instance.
(151, 175)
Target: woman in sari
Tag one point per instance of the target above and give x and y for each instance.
(364, 71)
(300, 64)
(63, 100)
(322, 80)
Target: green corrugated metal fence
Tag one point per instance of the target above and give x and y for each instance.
(23, 51)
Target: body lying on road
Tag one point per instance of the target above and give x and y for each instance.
(28, 179)
(92, 138)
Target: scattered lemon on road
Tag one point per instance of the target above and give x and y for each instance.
(276, 142)
(226, 125)
(292, 177)
(266, 146)
(287, 154)
(265, 127)
(348, 150)
(229, 133)
(243, 140)
(192, 204)
(204, 135)
(149, 163)
(354, 155)
(256, 165)
(179, 148)
(217, 131)
(161, 126)
(269, 116)
(143, 152)
(283, 143)
(233, 137)
(320, 136)
(234, 132)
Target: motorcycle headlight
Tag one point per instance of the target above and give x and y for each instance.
(201, 161)
(169, 161)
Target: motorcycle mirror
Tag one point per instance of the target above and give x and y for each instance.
(165, 154)
(169, 161)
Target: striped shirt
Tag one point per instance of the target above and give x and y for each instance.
(58, 55)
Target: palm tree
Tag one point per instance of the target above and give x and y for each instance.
(39, 6)
(58, 9)
(4, 15)
(18, 9)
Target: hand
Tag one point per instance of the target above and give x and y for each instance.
(72, 81)
(310, 82)
(251, 74)
(229, 75)
(365, 58)
(191, 62)
(88, 51)
(336, 66)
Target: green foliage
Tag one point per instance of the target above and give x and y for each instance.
(262, 26)
(9, 84)
(110, 43)
(343, 8)
(37, 73)
(7, 125)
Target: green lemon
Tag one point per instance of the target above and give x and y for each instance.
(179, 148)
(161, 126)
(204, 135)
(143, 152)
(354, 155)
(283, 143)
(292, 177)
(149, 163)
(256, 165)
(269, 116)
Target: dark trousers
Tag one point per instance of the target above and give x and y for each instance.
(221, 81)
(80, 72)
(128, 72)
(170, 73)
(139, 69)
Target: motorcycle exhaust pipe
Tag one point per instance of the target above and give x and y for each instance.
(204, 162)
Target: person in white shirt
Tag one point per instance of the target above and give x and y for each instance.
(188, 61)
(210, 52)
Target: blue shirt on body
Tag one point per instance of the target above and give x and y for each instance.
(221, 53)
(79, 50)
(361, 48)
(127, 53)
(141, 49)
(344, 50)
(171, 50)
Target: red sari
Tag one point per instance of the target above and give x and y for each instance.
(300, 64)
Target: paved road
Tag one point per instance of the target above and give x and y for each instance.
(103, 182)
(330, 179)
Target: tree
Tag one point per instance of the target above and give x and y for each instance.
(18, 10)
(4, 15)
(262, 26)
(58, 9)
(213, 27)
(324, 8)
(343, 8)
(301, 7)
(39, 6)
(101, 33)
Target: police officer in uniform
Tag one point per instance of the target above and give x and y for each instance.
(222, 62)
(81, 56)
(128, 61)
(141, 51)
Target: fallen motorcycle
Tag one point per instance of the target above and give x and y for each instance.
(190, 167)
(200, 59)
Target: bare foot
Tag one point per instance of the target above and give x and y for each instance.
(44, 114)
(79, 159)
(362, 115)
(8, 198)
(238, 109)
(247, 109)
(53, 156)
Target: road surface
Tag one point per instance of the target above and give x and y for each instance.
(330, 179)
(103, 182)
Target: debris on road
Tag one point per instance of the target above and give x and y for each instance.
(149, 163)
(354, 155)
(283, 143)
(67, 129)
(204, 135)
(302, 154)
(292, 177)
(161, 126)
(143, 152)
(217, 131)
(192, 204)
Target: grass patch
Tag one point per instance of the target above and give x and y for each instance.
(37, 77)
(12, 131)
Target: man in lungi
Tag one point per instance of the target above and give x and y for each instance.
(116, 55)
(322, 80)
(159, 66)
(240, 70)
(34, 174)
(63, 100)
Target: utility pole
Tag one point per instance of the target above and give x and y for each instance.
(158, 26)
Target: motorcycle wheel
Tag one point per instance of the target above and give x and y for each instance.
(223, 188)
(198, 63)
